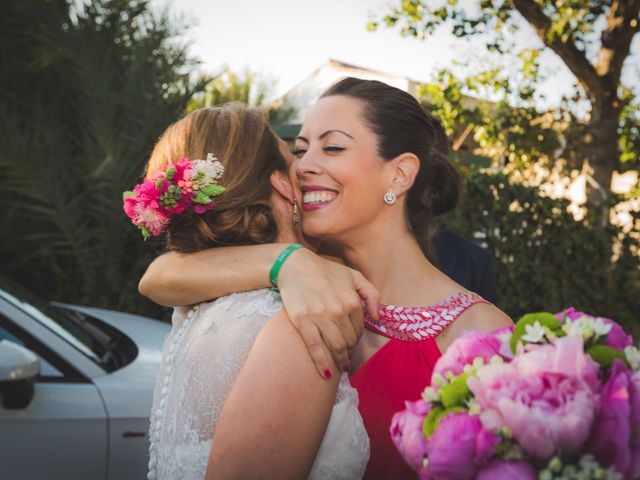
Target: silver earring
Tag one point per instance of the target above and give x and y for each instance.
(295, 216)
(389, 198)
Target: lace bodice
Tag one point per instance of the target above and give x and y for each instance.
(202, 356)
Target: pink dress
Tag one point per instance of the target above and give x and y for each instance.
(398, 372)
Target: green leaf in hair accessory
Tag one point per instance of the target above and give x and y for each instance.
(201, 198)
(213, 190)
(170, 173)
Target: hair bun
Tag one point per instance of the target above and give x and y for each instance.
(443, 185)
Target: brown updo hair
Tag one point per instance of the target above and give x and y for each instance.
(240, 137)
(403, 126)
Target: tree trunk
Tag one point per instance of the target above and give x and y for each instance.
(601, 157)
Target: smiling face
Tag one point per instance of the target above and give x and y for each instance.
(341, 177)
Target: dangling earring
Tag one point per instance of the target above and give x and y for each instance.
(295, 216)
(389, 198)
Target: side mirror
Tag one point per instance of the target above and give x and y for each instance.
(19, 369)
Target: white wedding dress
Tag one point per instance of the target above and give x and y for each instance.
(202, 356)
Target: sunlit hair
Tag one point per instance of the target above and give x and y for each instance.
(240, 137)
(403, 126)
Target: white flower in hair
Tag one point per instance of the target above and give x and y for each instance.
(207, 171)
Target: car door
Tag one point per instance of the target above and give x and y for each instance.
(62, 434)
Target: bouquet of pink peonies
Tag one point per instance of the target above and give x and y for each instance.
(556, 397)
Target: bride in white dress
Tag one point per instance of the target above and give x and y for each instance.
(238, 396)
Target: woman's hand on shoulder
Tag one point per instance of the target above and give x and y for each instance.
(323, 299)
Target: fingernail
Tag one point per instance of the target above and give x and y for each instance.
(346, 369)
(327, 373)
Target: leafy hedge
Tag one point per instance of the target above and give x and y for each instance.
(85, 91)
(545, 260)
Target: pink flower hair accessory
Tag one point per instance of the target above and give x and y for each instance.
(186, 184)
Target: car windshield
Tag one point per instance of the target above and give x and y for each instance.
(75, 329)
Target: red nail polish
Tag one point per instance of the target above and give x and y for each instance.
(327, 373)
(346, 369)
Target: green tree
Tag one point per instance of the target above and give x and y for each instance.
(85, 91)
(593, 40)
(509, 127)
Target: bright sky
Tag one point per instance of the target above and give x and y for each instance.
(286, 40)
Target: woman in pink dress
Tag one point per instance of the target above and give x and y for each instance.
(370, 177)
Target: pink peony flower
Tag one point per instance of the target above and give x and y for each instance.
(501, 470)
(545, 396)
(407, 435)
(617, 338)
(465, 349)
(634, 401)
(129, 205)
(458, 446)
(615, 438)
(152, 220)
(182, 167)
(566, 357)
(486, 443)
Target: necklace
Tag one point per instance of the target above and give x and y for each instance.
(414, 324)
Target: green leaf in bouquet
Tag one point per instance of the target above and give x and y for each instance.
(545, 319)
(128, 194)
(605, 355)
(457, 392)
(212, 190)
(432, 421)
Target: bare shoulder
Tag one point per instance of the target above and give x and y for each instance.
(484, 316)
(481, 316)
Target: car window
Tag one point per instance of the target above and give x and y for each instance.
(80, 331)
(47, 371)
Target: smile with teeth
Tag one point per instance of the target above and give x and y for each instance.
(312, 200)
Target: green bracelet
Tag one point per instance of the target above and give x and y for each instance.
(277, 265)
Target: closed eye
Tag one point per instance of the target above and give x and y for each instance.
(333, 149)
(298, 152)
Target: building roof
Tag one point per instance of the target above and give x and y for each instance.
(303, 95)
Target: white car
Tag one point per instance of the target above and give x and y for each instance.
(76, 387)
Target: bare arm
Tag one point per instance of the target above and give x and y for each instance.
(177, 279)
(274, 419)
(322, 297)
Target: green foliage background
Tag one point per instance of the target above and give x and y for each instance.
(84, 94)
(546, 260)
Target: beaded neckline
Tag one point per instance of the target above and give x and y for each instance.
(414, 324)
